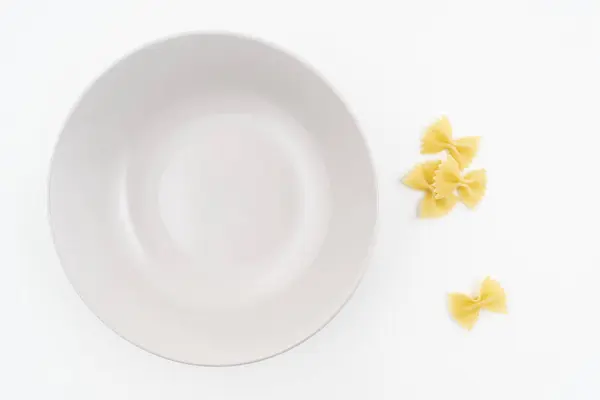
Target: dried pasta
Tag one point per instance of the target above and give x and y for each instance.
(465, 309)
(470, 186)
(421, 177)
(438, 137)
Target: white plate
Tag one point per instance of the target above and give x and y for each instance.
(212, 200)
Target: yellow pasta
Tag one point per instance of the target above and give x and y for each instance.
(470, 186)
(438, 137)
(465, 309)
(421, 177)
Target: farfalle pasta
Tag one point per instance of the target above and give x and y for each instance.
(438, 137)
(443, 182)
(465, 309)
(421, 177)
(449, 178)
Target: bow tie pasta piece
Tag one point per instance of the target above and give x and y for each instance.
(465, 310)
(470, 186)
(421, 177)
(438, 137)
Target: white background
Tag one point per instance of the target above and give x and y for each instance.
(525, 75)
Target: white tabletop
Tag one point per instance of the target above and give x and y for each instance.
(523, 74)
